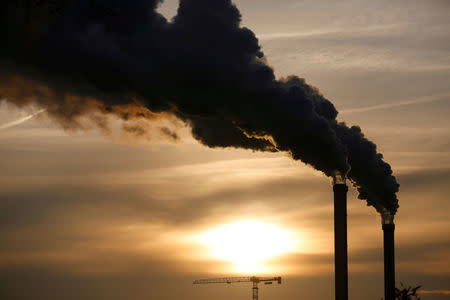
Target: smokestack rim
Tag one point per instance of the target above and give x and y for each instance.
(338, 178)
(387, 218)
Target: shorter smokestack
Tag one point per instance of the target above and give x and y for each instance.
(387, 221)
(340, 237)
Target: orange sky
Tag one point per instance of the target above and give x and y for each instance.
(86, 216)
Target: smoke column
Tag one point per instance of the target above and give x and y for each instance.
(77, 58)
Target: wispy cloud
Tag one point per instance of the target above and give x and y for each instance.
(434, 292)
(21, 120)
(325, 31)
(427, 99)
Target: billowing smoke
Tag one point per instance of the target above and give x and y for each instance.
(81, 58)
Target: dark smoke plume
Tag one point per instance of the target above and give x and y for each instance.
(76, 58)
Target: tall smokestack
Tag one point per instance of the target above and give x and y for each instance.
(340, 237)
(387, 221)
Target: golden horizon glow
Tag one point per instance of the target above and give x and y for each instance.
(248, 244)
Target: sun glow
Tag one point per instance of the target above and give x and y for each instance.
(248, 244)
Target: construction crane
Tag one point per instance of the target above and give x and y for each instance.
(255, 280)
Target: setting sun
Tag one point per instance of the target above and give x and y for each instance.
(248, 244)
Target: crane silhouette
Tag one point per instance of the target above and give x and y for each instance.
(254, 279)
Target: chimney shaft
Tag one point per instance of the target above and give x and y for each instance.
(389, 261)
(340, 241)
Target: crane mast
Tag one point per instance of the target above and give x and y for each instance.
(253, 279)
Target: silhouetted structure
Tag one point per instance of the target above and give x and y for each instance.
(340, 238)
(389, 255)
(255, 280)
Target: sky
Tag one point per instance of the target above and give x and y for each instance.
(89, 214)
